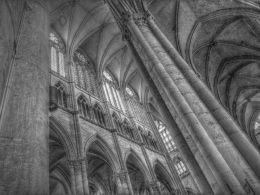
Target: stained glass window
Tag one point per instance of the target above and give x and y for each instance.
(257, 129)
(83, 73)
(180, 167)
(112, 94)
(129, 91)
(57, 55)
(108, 76)
(166, 137)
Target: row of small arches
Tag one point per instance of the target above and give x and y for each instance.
(94, 113)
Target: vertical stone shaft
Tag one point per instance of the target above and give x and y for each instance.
(198, 132)
(82, 172)
(215, 131)
(84, 168)
(205, 187)
(242, 143)
(24, 128)
(177, 180)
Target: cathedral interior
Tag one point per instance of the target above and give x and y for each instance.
(129, 97)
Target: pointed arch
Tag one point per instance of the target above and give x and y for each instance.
(105, 147)
(139, 162)
(57, 129)
(163, 175)
(61, 94)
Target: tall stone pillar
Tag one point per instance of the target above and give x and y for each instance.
(245, 147)
(80, 164)
(123, 183)
(169, 88)
(154, 188)
(77, 177)
(203, 177)
(24, 128)
(180, 96)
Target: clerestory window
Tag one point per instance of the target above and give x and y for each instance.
(112, 94)
(57, 55)
(83, 73)
(166, 137)
(61, 95)
(179, 166)
(84, 108)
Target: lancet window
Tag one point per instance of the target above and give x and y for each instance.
(130, 92)
(180, 166)
(166, 137)
(61, 95)
(83, 73)
(99, 115)
(117, 123)
(148, 138)
(84, 108)
(129, 131)
(57, 55)
(112, 94)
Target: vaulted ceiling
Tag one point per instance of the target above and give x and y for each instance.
(219, 39)
(90, 26)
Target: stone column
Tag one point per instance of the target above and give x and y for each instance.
(76, 177)
(24, 127)
(231, 128)
(154, 188)
(124, 177)
(157, 69)
(123, 183)
(203, 178)
(84, 168)
(215, 132)
(72, 178)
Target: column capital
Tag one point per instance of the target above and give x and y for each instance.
(43, 3)
(122, 175)
(77, 162)
(154, 186)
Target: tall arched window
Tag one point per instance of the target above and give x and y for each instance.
(57, 55)
(179, 166)
(61, 95)
(99, 115)
(128, 129)
(111, 92)
(166, 137)
(117, 123)
(130, 92)
(84, 108)
(83, 73)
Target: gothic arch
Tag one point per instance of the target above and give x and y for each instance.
(62, 178)
(141, 165)
(161, 171)
(105, 147)
(60, 131)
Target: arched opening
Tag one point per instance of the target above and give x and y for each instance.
(61, 95)
(57, 54)
(163, 178)
(100, 170)
(99, 115)
(137, 175)
(60, 182)
(84, 108)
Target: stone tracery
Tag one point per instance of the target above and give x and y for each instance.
(217, 49)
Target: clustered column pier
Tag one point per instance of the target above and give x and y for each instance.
(203, 126)
(24, 126)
